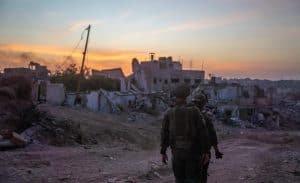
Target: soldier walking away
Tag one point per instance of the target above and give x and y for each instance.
(200, 101)
(184, 130)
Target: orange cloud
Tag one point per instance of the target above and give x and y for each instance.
(94, 54)
(53, 55)
(19, 55)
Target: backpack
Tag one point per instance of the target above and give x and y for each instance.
(184, 128)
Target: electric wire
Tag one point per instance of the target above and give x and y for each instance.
(73, 50)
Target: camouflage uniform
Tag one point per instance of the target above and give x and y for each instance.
(213, 141)
(200, 101)
(184, 130)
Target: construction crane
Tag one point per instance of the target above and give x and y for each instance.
(78, 98)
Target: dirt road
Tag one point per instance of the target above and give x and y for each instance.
(249, 157)
(128, 152)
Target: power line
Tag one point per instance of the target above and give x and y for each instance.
(74, 49)
(81, 38)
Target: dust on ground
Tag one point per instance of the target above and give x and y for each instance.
(127, 150)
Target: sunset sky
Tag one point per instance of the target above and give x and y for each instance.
(234, 38)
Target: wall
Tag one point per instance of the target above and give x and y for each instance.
(229, 93)
(161, 74)
(93, 101)
(70, 99)
(55, 93)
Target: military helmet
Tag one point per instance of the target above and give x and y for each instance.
(200, 98)
(182, 91)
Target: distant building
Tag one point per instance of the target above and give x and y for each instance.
(216, 80)
(34, 71)
(115, 73)
(19, 71)
(109, 73)
(40, 71)
(162, 74)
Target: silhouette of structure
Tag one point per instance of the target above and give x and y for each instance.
(162, 74)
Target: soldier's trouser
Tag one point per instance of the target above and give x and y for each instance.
(204, 170)
(186, 170)
(204, 173)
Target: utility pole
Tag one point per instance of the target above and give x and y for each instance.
(152, 56)
(78, 99)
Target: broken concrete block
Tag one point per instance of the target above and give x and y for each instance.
(18, 140)
(11, 139)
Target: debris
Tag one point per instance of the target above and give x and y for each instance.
(158, 175)
(18, 140)
(9, 139)
(87, 147)
(60, 133)
(15, 103)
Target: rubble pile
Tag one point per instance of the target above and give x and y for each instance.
(15, 110)
(22, 123)
(58, 132)
(48, 130)
(252, 106)
(15, 103)
(289, 115)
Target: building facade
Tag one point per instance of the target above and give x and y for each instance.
(115, 73)
(162, 74)
(34, 71)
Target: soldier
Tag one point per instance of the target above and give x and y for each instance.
(184, 130)
(200, 101)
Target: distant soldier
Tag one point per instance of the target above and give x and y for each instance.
(184, 130)
(200, 101)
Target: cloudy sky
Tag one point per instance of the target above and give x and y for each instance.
(234, 38)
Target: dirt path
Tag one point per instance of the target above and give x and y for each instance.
(257, 157)
(250, 157)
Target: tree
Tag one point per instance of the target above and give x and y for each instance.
(70, 77)
(71, 70)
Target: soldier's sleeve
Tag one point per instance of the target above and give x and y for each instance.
(164, 141)
(211, 129)
(203, 132)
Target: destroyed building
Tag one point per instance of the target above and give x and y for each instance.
(115, 73)
(34, 71)
(162, 74)
(258, 102)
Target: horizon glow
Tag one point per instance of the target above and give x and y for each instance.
(234, 38)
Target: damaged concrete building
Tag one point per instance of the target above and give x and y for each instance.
(115, 73)
(34, 71)
(245, 101)
(162, 75)
(42, 89)
(143, 89)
